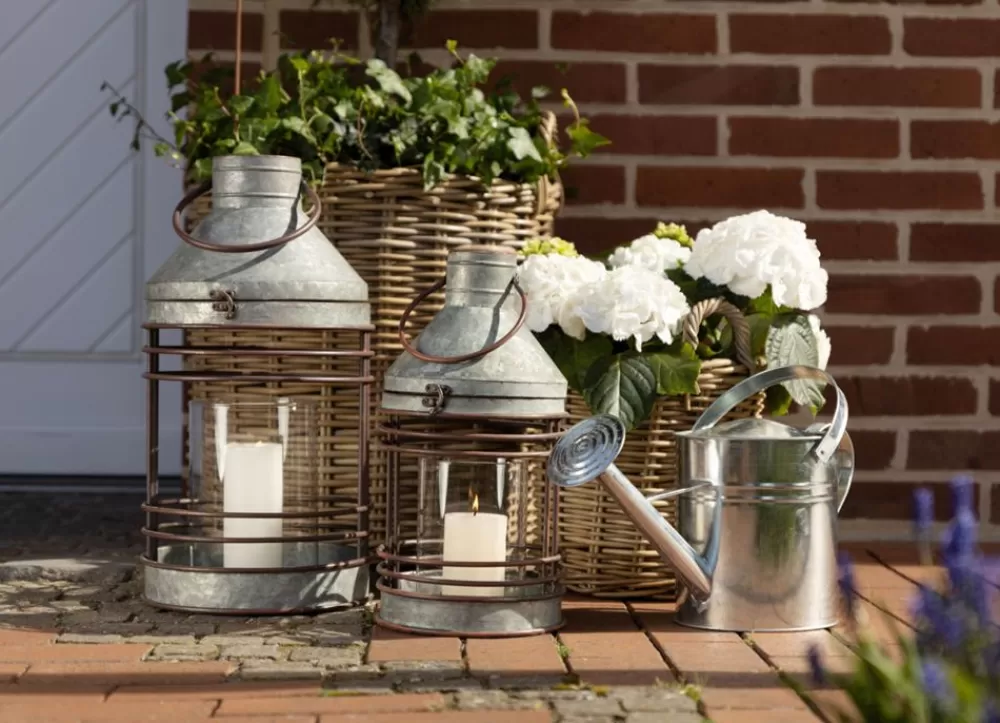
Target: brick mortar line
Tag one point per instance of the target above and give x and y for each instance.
(674, 669)
(785, 680)
(912, 476)
(786, 112)
(935, 423)
(617, 211)
(896, 164)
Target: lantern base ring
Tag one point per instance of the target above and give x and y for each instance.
(222, 592)
(405, 609)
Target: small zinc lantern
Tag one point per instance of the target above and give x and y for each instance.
(470, 413)
(273, 512)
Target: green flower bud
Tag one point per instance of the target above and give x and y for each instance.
(673, 231)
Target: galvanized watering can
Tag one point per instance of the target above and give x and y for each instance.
(756, 536)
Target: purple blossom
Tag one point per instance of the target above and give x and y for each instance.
(961, 494)
(960, 538)
(923, 511)
(991, 713)
(939, 624)
(816, 665)
(845, 580)
(936, 683)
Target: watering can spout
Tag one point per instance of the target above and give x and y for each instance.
(587, 452)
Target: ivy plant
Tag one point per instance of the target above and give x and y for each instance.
(331, 108)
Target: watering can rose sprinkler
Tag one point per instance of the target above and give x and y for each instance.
(756, 536)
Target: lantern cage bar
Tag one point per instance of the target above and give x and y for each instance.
(323, 534)
(471, 545)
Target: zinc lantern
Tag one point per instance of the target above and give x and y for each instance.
(274, 360)
(469, 413)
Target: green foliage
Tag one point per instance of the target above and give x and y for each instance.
(332, 108)
(791, 341)
(623, 385)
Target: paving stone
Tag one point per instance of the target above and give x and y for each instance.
(197, 629)
(84, 617)
(594, 706)
(227, 640)
(350, 616)
(554, 694)
(184, 652)
(339, 635)
(330, 657)
(257, 652)
(96, 569)
(674, 716)
(592, 719)
(164, 639)
(652, 699)
(103, 628)
(82, 639)
(449, 685)
(494, 700)
(269, 670)
(116, 612)
(439, 668)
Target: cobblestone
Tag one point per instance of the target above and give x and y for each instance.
(653, 700)
(494, 700)
(269, 670)
(165, 639)
(674, 716)
(228, 640)
(328, 657)
(255, 652)
(184, 652)
(102, 628)
(595, 706)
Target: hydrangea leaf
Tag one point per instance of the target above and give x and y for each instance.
(574, 358)
(791, 341)
(676, 371)
(623, 385)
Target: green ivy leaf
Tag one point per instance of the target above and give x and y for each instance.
(240, 104)
(268, 95)
(777, 401)
(574, 358)
(388, 79)
(622, 385)
(245, 149)
(584, 139)
(760, 327)
(203, 169)
(522, 145)
(676, 370)
(433, 172)
(791, 342)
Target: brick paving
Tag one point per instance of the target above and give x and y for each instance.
(76, 644)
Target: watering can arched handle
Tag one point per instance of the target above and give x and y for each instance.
(833, 435)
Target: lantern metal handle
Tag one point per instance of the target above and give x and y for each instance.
(433, 358)
(178, 218)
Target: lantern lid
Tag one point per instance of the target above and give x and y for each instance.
(304, 283)
(445, 370)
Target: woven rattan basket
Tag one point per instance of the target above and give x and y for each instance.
(397, 236)
(603, 555)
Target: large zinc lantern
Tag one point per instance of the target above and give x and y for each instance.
(273, 512)
(470, 412)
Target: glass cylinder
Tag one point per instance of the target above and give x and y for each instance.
(252, 471)
(471, 512)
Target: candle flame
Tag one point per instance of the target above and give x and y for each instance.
(475, 503)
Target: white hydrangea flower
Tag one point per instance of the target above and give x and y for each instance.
(823, 346)
(554, 285)
(747, 253)
(633, 302)
(651, 252)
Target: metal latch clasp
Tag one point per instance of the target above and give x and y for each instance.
(225, 301)
(437, 397)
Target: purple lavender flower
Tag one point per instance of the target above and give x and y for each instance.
(939, 625)
(991, 713)
(961, 494)
(845, 580)
(936, 684)
(923, 511)
(816, 665)
(960, 538)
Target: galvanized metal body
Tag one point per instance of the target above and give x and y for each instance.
(516, 379)
(296, 284)
(475, 388)
(755, 544)
(303, 283)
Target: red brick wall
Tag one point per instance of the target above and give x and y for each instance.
(872, 121)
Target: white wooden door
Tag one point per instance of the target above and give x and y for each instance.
(83, 222)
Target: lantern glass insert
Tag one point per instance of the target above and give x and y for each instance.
(469, 512)
(252, 471)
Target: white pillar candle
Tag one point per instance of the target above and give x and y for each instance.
(252, 483)
(472, 537)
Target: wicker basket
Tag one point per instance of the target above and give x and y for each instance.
(397, 236)
(603, 555)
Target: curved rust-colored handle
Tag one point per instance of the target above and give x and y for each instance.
(178, 221)
(461, 357)
(741, 328)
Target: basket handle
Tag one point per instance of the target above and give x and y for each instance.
(548, 128)
(741, 328)
(198, 191)
(434, 359)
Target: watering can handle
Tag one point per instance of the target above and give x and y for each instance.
(759, 382)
